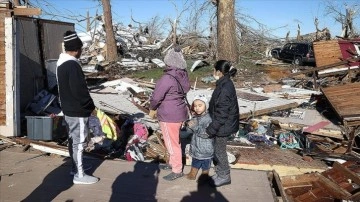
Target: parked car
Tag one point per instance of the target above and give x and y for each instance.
(298, 53)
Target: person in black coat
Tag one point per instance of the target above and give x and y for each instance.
(76, 104)
(224, 112)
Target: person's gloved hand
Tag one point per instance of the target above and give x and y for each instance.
(153, 114)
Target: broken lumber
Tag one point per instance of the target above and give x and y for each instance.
(19, 11)
(47, 149)
(268, 110)
(316, 127)
(321, 132)
(323, 67)
(347, 172)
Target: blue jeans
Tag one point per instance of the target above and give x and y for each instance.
(204, 164)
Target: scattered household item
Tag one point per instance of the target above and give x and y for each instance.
(39, 127)
(44, 103)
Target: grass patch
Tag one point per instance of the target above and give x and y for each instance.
(156, 73)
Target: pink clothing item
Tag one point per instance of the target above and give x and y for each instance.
(171, 136)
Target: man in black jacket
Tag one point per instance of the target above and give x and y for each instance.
(76, 103)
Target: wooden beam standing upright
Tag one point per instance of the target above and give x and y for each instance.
(26, 11)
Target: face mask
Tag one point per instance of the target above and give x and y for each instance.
(216, 74)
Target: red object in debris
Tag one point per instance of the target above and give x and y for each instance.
(348, 46)
(316, 127)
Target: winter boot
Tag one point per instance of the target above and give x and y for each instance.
(192, 174)
(204, 177)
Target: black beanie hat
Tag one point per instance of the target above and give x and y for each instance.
(72, 41)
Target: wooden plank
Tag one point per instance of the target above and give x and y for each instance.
(353, 123)
(349, 90)
(318, 68)
(281, 188)
(26, 11)
(269, 110)
(317, 126)
(345, 89)
(297, 180)
(321, 132)
(298, 190)
(327, 52)
(332, 187)
(347, 172)
(5, 13)
(355, 197)
(312, 195)
(344, 98)
(339, 87)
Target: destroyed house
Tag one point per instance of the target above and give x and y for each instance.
(26, 43)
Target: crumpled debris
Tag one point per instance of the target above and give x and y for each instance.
(258, 133)
(208, 79)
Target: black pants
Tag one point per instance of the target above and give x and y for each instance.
(221, 162)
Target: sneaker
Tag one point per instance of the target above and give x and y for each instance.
(85, 167)
(173, 176)
(214, 176)
(220, 181)
(86, 179)
(165, 167)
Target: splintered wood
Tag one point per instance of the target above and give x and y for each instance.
(327, 52)
(345, 101)
(339, 183)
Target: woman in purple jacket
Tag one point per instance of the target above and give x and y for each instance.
(168, 99)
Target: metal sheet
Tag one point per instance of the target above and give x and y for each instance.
(248, 107)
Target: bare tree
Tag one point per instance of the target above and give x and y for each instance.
(345, 19)
(16, 2)
(298, 36)
(287, 37)
(155, 27)
(226, 38)
(174, 24)
(111, 49)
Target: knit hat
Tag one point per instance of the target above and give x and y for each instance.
(71, 41)
(174, 58)
(202, 98)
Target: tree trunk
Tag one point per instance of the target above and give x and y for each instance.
(226, 35)
(16, 2)
(174, 32)
(111, 49)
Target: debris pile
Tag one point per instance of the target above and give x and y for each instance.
(132, 45)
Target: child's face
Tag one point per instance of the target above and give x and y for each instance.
(199, 107)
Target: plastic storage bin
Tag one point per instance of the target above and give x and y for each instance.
(39, 127)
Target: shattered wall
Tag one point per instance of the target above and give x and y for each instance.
(38, 40)
(52, 31)
(2, 70)
(30, 67)
(327, 52)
